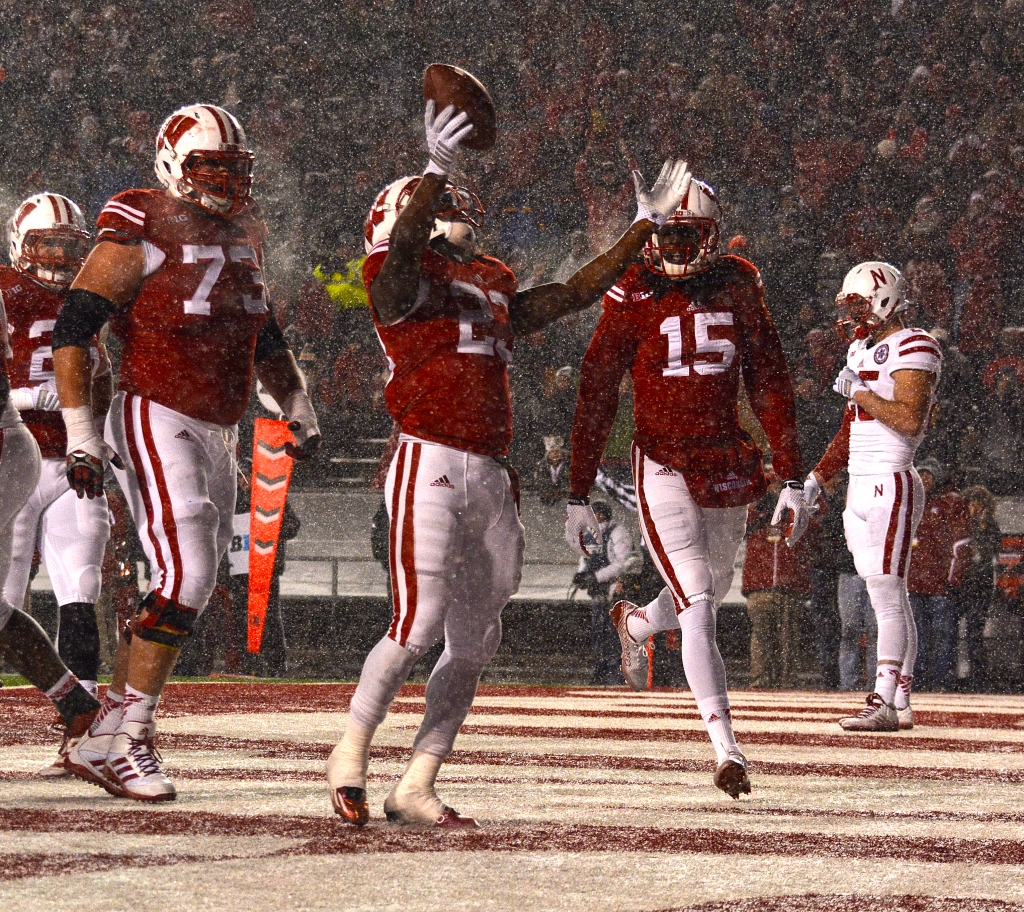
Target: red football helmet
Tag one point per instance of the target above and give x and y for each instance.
(202, 156)
(49, 239)
(457, 205)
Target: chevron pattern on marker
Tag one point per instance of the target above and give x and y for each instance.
(263, 547)
(271, 452)
(266, 516)
(271, 484)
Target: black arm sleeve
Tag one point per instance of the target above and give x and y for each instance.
(81, 317)
(269, 342)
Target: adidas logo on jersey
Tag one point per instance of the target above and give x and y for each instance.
(183, 435)
(664, 470)
(442, 482)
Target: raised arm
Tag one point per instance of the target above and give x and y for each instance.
(396, 286)
(536, 307)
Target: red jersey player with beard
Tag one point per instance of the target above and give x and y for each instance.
(446, 316)
(692, 327)
(49, 243)
(178, 274)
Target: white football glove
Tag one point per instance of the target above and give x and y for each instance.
(812, 490)
(26, 397)
(791, 500)
(444, 133)
(669, 190)
(582, 530)
(302, 423)
(848, 382)
(88, 453)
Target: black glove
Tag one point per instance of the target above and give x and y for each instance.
(585, 579)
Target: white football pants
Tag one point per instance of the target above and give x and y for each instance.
(881, 518)
(19, 475)
(693, 547)
(71, 534)
(180, 480)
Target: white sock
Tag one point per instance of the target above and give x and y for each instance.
(654, 617)
(888, 595)
(705, 673)
(91, 686)
(415, 793)
(137, 710)
(63, 687)
(349, 760)
(109, 717)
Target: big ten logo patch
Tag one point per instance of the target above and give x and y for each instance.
(239, 543)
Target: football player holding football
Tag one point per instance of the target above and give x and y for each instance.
(692, 327)
(889, 382)
(447, 316)
(23, 644)
(178, 274)
(48, 244)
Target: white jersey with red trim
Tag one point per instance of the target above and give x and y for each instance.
(875, 448)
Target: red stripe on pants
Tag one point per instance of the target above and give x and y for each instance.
(409, 548)
(905, 556)
(140, 477)
(167, 518)
(396, 497)
(894, 524)
(652, 534)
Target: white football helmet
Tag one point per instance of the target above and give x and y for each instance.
(459, 206)
(872, 292)
(202, 156)
(690, 234)
(49, 240)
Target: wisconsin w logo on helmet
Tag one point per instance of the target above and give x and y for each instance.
(49, 239)
(202, 156)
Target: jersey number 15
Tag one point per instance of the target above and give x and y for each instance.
(703, 360)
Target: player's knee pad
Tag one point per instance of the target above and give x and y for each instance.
(693, 574)
(164, 622)
(888, 596)
(481, 652)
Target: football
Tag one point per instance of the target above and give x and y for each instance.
(450, 85)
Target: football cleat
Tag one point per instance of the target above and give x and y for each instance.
(350, 805)
(731, 776)
(133, 765)
(906, 718)
(448, 819)
(87, 759)
(876, 716)
(634, 655)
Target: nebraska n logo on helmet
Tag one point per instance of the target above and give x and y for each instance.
(687, 244)
(202, 156)
(460, 209)
(872, 292)
(49, 240)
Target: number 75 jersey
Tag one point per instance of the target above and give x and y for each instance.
(189, 336)
(449, 356)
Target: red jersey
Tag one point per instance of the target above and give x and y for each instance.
(189, 335)
(31, 314)
(690, 344)
(449, 357)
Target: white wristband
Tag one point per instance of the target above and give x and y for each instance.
(23, 398)
(297, 407)
(80, 427)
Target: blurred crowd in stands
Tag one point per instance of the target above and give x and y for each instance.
(835, 131)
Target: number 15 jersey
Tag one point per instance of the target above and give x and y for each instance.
(449, 356)
(189, 335)
(690, 344)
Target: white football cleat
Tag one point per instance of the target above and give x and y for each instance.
(731, 775)
(877, 716)
(634, 655)
(133, 765)
(87, 759)
(906, 718)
